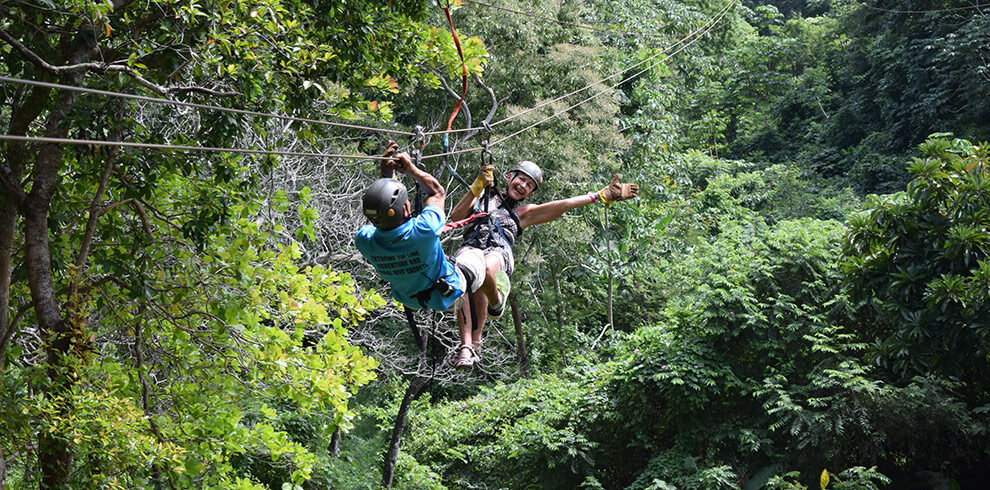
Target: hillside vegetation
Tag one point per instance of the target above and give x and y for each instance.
(799, 297)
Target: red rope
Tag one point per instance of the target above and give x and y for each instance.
(459, 223)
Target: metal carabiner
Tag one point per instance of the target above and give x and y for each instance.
(486, 155)
(417, 148)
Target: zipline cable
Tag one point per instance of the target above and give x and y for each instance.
(685, 38)
(290, 118)
(708, 27)
(933, 11)
(157, 100)
(554, 115)
(197, 106)
(549, 19)
(158, 146)
(575, 92)
(162, 146)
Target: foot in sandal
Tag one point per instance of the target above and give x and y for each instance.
(465, 357)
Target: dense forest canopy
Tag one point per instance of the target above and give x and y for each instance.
(799, 296)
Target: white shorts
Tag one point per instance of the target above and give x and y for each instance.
(470, 266)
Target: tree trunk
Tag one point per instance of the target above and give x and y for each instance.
(392, 455)
(23, 113)
(559, 310)
(54, 454)
(8, 219)
(334, 448)
(611, 278)
(520, 336)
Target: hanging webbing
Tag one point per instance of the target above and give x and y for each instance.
(460, 53)
(415, 328)
(444, 164)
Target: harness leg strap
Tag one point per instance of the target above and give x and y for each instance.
(415, 328)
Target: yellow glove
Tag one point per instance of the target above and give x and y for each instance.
(616, 191)
(486, 177)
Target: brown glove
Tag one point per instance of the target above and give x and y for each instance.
(386, 167)
(616, 191)
(486, 177)
(403, 163)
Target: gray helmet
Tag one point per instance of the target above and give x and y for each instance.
(531, 169)
(383, 202)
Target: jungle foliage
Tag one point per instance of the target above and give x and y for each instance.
(797, 298)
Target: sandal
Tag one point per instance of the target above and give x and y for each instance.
(461, 361)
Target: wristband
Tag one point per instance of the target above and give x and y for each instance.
(593, 196)
(602, 196)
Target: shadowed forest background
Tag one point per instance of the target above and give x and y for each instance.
(799, 297)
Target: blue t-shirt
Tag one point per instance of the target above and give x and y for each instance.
(411, 259)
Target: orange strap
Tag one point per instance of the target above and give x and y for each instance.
(460, 52)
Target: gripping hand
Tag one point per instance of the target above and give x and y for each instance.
(485, 178)
(617, 191)
(403, 163)
(386, 167)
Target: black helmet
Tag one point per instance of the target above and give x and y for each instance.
(383, 202)
(531, 170)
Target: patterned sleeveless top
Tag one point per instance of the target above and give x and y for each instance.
(499, 230)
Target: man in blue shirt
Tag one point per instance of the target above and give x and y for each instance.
(405, 250)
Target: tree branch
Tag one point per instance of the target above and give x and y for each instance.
(93, 214)
(145, 390)
(12, 184)
(100, 67)
(144, 218)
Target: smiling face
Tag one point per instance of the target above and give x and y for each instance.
(519, 186)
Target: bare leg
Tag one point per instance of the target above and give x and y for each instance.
(493, 263)
(464, 325)
(469, 335)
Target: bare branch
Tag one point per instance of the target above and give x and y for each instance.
(201, 90)
(94, 215)
(100, 67)
(12, 185)
(139, 209)
(110, 207)
(491, 113)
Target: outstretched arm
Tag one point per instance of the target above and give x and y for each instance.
(535, 214)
